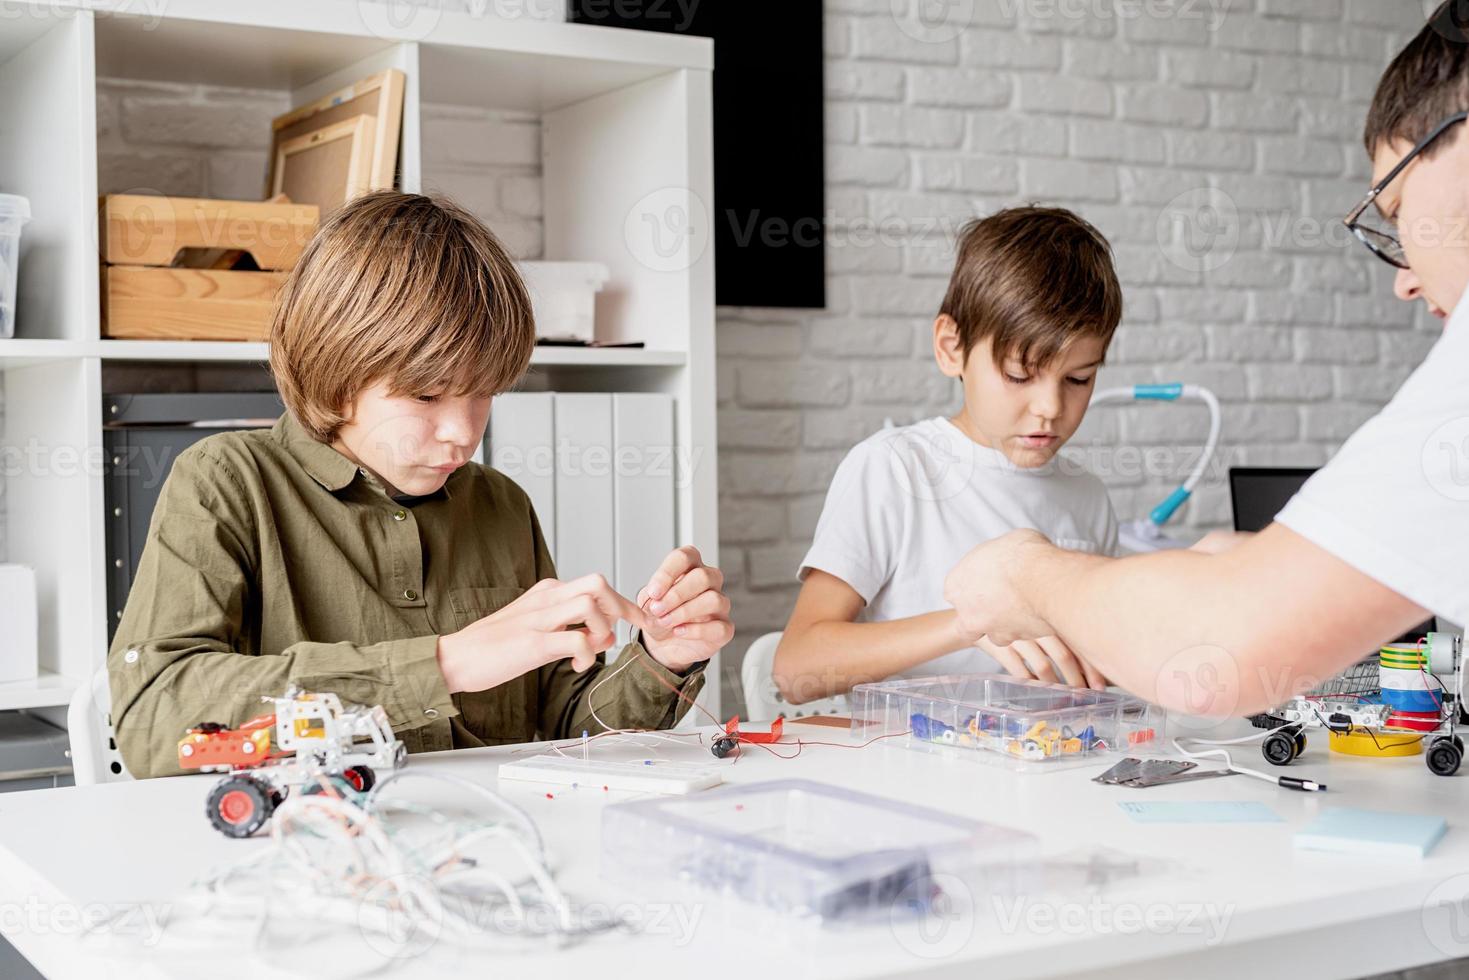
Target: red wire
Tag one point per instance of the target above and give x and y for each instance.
(800, 742)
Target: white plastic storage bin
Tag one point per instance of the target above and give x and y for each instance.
(14, 213)
(811, 851)
(18, 648)
(564, 298)
(992, 716)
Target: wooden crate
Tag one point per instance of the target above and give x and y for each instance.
(151, 287)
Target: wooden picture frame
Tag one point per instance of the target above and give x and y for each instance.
(378, 96)
(326, 167)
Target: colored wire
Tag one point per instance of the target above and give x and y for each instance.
(348, 869)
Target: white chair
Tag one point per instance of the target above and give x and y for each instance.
(762, 698)
(94, 755)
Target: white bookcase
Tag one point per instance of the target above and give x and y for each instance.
(627, 149)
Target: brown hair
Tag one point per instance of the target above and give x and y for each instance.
(1032, 280)
(402, 288)
(1425, 84)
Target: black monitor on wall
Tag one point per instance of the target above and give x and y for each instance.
(769, 163)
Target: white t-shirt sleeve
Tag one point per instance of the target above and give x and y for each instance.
(1394, 501)
(858, 533)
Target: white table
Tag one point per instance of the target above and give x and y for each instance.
(1275, 911)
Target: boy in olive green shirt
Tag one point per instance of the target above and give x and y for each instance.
(353, 548)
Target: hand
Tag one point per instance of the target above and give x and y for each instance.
(552, 620)
(983, 589)
(1041, 658)
(688, 617)
(1218, 542)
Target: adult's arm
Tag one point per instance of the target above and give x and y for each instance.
(1220, 634)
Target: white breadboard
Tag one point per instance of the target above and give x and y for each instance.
(649, 776)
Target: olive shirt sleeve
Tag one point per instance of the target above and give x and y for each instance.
(174, 659)
(639, 691)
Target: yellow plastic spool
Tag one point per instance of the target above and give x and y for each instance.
(1387, 745)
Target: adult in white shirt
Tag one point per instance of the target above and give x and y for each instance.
(1374, 542)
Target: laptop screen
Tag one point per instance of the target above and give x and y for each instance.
(1258, 493)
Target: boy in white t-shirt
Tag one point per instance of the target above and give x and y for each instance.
(1031, 307)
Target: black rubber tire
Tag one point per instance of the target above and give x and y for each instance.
(1279, 749)
(1444, 757)
(239, 805)
(366, 778)
(1300, 743)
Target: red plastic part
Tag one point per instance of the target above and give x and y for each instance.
(236, 807)
(732, 727)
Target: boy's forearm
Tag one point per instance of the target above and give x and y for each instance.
(831, 657)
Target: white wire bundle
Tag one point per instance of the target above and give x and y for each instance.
(338, 870)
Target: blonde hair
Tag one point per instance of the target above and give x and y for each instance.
(411, 290)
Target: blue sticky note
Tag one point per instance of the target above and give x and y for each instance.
(1208, 811)
(1353, 831)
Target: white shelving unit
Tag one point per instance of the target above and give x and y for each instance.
(627, 129)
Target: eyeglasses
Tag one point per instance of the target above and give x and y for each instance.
(1384, 242)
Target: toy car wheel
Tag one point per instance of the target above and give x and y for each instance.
(1444, 757)
(1279, 749)
(1459, 744)
(1300, 743)
(362, 778)
(239, 806)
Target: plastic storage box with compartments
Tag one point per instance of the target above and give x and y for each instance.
(991, 716)
(813, 852)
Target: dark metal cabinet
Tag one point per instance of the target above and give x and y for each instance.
(142, 435)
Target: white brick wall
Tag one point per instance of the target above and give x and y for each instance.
(1116, 108)
(1115, 116)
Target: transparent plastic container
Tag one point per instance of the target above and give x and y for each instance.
(805, 849)
(14, 213)
(988, 717)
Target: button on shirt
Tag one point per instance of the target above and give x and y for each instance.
(273, 560)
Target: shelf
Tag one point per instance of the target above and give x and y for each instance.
(473, 58)
(607, 357)
(26, 351)
(46, 691)
(21, 28)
